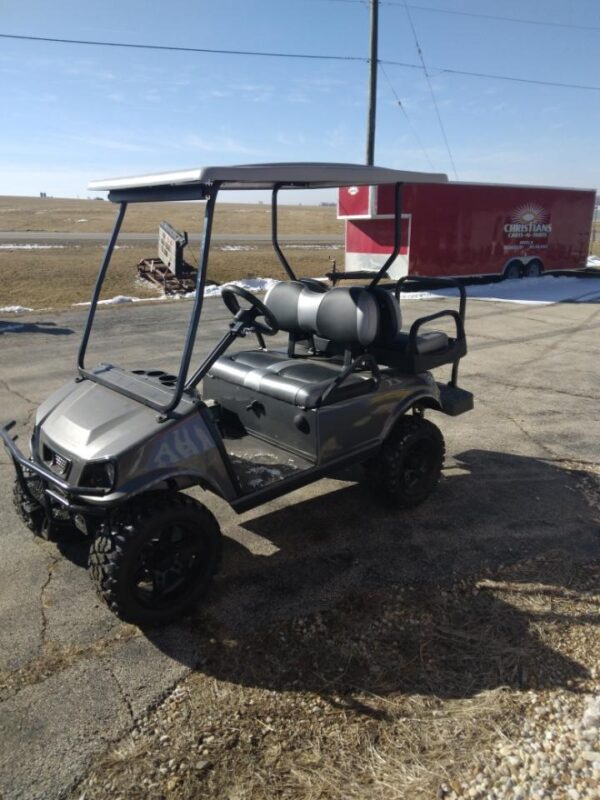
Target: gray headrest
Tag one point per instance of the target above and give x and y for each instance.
(282, 300)
(348, 316)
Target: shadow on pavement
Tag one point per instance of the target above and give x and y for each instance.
(49, 328)
(356, 598)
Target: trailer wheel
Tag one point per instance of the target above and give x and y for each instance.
(513, 271)
(409, 465)
(155, 557)
(533, 269)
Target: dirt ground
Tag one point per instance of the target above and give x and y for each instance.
(402, 693)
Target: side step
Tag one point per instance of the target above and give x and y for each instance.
(455, 401)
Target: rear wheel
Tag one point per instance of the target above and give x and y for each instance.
(533, 269)
(409, 465)
(155, 557)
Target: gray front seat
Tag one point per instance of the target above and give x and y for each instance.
(349, 317)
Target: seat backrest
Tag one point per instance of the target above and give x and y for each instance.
(348, 316)
(390, 317)
(294, 304)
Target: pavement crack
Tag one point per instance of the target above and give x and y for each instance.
(123, 696)
(53, 562)
(18, 394)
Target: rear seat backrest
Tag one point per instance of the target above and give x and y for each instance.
(348, 316)
(345, 316)
(390, 317)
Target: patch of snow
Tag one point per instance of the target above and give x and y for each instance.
(313, 246)
(115, 301)
(230, 248)
(81, 220)
(15, 309)
(32, 246)
(530, 291)
(250, 284)
(593, 261)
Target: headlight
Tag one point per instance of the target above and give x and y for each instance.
(99, 475)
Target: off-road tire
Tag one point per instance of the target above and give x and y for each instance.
(388, 473)
(29, 510)
(120, 540)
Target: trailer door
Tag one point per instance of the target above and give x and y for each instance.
(369, 242)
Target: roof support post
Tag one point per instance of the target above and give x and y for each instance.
(283, 260)
(190, 338)
(397, 236)
(98, 286)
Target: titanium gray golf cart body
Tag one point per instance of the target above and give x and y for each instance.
(111, 449)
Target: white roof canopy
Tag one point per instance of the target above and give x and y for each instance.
(267, 176)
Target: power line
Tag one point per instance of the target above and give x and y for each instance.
(173, 48)
(492, 76)
(309, 56)
(494, 17)
(433, 97)
(497, 17)
(404, 111)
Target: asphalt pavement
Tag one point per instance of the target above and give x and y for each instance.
(76, 679)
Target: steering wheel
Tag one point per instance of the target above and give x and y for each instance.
(270, 325)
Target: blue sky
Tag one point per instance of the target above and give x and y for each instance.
(74, 113)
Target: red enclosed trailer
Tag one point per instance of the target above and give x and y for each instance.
(468, 229)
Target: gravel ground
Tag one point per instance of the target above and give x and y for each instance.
(486, 689)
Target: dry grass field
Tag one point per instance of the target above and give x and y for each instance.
(57, 278)
(63, 274)
(79, 216)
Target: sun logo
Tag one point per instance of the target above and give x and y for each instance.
(528, 214)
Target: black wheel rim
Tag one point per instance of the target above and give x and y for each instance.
(168, 567)
(417, 466)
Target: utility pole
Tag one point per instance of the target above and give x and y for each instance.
(373, 60)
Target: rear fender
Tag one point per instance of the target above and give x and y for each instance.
(421, 401)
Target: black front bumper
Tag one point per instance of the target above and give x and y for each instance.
(54, 487)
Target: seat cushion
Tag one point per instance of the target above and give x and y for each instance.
(294, 380)
(427, 342)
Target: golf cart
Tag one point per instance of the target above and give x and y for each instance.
(112, 449)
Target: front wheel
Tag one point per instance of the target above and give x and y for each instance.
(155, 557)
(29, 505)
(409, 465)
